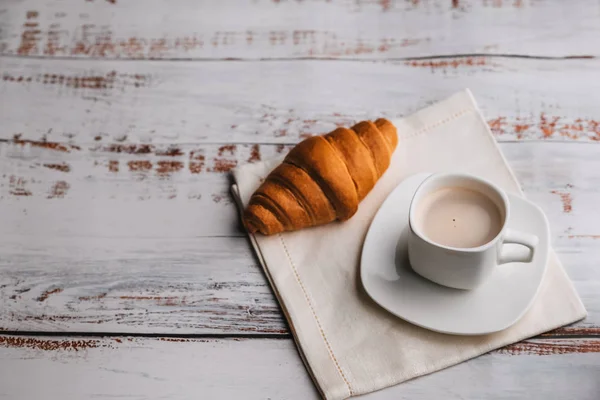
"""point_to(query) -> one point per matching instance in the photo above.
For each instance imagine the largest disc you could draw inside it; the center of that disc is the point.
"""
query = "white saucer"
(500, 302)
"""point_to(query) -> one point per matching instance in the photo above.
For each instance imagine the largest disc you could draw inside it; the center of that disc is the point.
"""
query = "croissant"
(323, 178)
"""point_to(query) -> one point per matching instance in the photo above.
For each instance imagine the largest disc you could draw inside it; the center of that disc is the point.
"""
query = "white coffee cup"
(460, 267)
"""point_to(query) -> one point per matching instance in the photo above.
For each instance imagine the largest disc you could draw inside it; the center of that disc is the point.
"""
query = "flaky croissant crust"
(323, 178)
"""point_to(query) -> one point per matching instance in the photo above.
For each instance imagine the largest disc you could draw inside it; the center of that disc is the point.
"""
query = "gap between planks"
(312, 58)
(94, 145)
(190, 336)
(559, 333)
(533, 346)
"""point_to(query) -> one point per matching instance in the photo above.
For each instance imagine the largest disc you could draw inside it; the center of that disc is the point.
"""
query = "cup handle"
(507, 255)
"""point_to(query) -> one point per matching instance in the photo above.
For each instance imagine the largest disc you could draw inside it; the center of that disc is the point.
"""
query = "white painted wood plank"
(267, 29)
(136, 368)
(144, 285)
(116, 253)
(90, 102)
(172, 286)
(104, 193)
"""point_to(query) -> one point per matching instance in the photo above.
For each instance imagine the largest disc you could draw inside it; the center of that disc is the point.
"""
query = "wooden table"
(123, 270)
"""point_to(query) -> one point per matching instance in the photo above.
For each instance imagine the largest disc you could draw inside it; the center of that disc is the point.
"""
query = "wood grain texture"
(108, 368)
(144, 285)
(183, 190)
(129, 247)
(87, 102)
(366, 29)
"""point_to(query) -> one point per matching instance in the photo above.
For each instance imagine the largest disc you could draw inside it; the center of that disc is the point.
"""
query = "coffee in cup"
(458, 217)
(458, 231)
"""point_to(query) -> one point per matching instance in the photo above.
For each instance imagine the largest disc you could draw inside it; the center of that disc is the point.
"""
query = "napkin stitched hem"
(439, 123)
(312, 309)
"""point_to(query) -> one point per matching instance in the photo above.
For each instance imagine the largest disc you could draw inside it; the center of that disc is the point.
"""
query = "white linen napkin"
(350, 345)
